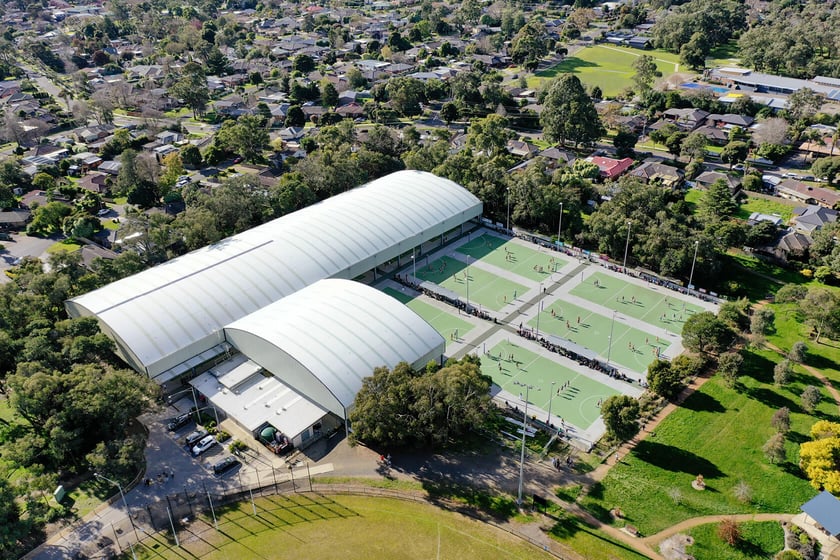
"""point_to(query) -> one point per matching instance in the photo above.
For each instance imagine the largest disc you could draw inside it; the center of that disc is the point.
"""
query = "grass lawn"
(783, 209)
(759, 540)
(596, 545)
(108, 223)
(724, 55)
(824, 356)
(339, 527)
(719, 433)
(607, 66)
(62, 247)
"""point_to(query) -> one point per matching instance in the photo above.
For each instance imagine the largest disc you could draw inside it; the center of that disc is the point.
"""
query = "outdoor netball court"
(577, 304)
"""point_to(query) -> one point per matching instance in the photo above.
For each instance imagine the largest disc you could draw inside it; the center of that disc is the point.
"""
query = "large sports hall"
(269, 324)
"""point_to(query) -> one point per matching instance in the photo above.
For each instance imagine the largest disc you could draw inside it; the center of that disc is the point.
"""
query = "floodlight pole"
(550, 400)
(467, 280)
(609, 348)
(693, 262)
(627, 245)
(524, 435)
(125, 503)
(560, 225)
(508, 209)
(413, 265)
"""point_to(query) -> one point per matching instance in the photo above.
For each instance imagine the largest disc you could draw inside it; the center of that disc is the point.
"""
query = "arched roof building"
(162, 317)
(308, 353)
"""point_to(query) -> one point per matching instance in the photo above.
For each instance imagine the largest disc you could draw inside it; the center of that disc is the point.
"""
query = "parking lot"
(21, 246)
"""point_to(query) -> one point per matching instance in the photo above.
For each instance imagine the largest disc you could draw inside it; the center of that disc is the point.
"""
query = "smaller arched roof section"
(164, 316)
(323, 340)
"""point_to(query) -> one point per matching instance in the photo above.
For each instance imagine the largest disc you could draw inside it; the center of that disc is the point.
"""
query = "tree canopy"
(569, 114)
(432, 408)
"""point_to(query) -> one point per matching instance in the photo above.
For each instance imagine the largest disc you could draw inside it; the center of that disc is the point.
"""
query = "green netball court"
(448, 325)
(485, 288)
(658, 308)
(577, 404)
(514, 257)
(632, 348)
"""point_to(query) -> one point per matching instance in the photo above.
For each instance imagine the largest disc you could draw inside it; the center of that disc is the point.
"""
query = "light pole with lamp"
(550, 400)
(560, 225)
(609, 348)
(125, 503)
(508, 208)
(627, 245)
(413, 265)
(467, 280)
(693, 262)
(524, 435)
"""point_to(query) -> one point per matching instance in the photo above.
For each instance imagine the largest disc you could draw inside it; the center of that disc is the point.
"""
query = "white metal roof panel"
(181, 306)
(339, 331)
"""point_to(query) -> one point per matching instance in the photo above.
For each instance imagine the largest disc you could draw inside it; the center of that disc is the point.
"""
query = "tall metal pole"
(627, 246)
(550, 400)
(609, 349)
(212, 510)
(560, 226)
(539, 309)
(524, 435)
(693, 262)
(172, 524)
(413, 265)
(125, 503)
(467, 280)
(508, 208)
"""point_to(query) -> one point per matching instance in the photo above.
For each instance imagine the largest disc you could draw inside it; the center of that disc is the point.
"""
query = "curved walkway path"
(656, 538)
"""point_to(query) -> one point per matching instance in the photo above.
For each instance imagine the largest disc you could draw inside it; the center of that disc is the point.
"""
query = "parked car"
(229, 462)
(5, 236)
(103, 212)
(195, 437)
(178, 422)
(206, 443)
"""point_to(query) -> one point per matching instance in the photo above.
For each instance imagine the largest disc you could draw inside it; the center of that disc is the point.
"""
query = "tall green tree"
(621, 416)
(191, 88)
(247, 137)
(717, 203)
(645, 74)
(569, 114)
(703, 332)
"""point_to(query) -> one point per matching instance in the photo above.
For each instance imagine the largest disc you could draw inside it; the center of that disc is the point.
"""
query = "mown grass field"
(759, 540)
(339, 527)
(719, 433)
(783, 209)
(596, 545)
(608, 67)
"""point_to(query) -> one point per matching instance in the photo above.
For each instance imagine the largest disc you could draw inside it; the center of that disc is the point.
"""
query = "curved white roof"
(165, 315)
(323, 340)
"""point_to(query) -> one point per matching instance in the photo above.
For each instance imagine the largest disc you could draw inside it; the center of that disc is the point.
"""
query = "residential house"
(611, 168)
(757, 217)
(169, 137)
(89, 134)
(9, 87)
(86, 161)
(790, 245)
(557, 157)
(795, 190)
(522, 149)
(654, 172)
(291, 133)
(686, 119)
(90, 252)
(15, 219)
(728, 120)
(231, 107)
(714, 135)
(810, 218)
(707, 178)
(99, 183)
(350, 111)
(111, 167)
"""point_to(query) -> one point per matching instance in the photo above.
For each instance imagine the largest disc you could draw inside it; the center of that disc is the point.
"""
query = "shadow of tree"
(571, 64)
(702, 402)
(674, 459)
